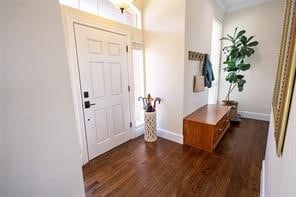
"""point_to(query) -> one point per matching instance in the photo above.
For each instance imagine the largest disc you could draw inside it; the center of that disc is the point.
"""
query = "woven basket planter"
(234, 107)
(150, 134)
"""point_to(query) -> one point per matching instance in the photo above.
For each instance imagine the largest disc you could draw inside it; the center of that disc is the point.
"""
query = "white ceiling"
(231, 5)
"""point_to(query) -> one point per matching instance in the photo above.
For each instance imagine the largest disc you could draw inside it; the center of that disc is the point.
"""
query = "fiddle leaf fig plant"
(240, 48)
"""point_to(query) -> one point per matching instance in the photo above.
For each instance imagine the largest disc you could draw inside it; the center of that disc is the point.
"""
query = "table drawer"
(220, 127)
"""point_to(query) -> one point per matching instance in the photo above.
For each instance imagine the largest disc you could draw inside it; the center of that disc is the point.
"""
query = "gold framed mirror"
(285, 78)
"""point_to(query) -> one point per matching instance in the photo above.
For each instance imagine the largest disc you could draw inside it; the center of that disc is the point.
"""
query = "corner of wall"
(197, 39)
(256, 20)
(164, 59)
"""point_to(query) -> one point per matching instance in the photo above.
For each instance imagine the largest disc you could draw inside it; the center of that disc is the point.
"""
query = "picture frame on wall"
(285, 78)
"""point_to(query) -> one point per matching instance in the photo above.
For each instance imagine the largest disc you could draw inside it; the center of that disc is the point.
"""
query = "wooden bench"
(204, 128)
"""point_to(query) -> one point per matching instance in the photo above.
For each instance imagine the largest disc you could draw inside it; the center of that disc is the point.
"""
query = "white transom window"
(104, 8)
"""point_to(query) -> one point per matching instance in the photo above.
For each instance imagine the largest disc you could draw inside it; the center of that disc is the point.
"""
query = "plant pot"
(233, 111)
(150, 134)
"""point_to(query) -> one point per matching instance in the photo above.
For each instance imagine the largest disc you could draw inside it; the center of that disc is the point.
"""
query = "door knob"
(87, 104)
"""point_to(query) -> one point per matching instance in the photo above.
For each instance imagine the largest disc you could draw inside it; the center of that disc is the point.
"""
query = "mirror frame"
(285, 78)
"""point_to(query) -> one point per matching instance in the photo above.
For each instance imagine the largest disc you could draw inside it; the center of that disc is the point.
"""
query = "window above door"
(105, 8)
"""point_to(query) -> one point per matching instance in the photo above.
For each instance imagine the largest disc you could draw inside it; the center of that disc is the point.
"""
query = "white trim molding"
(250, 3)
(169, 135)
(69, 21)
(138, 130)
(262, 180)
(254, 115)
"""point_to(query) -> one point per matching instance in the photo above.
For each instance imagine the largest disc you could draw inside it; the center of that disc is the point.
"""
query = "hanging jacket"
(208, 72)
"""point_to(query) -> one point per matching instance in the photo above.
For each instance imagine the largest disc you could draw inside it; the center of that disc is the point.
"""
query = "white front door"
(102, 61)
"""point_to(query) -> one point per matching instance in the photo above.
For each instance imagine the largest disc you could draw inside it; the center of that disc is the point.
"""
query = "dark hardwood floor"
(165, 168)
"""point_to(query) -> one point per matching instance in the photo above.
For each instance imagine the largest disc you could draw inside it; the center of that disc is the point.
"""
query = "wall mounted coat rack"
(196, 56)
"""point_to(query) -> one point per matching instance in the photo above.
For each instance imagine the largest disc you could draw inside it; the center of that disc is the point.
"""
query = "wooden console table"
(205, 127)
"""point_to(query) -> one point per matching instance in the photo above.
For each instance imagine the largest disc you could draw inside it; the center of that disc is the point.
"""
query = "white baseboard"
(254, 115)
(139, 130)
(169, 135)
(262, 180)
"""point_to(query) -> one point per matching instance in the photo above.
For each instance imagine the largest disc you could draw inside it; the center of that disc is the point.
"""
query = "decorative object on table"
(285, 78)
(204, 73)
(241, 47)
(150, 128)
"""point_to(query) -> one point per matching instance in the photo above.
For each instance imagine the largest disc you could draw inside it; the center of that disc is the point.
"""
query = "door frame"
(75, 78)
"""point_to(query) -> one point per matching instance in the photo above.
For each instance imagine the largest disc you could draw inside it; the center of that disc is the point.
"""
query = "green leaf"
(226, 47)
(231, 77)
(229, 36)
(248, 52)
(240, 76)
(241, 82)
(250, 38)
(243, 52)
(251, 51)
(242, 32)
(243, 39)
(235, 30)
(252, 44)
(229, 69)
(225, 38)
(239, 60)
(234, 53)
(230, 62)
(244, 67)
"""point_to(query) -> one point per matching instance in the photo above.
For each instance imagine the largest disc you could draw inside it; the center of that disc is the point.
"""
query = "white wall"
(164, 34)
(41, 145)
(264, 21)
(171, 28)
(280, 173)
(199, 18)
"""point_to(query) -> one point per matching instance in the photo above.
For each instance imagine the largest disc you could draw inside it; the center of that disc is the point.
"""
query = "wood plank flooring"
(165, 168)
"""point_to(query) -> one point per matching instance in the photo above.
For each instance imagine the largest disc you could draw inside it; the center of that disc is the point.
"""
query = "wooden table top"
(208, 114)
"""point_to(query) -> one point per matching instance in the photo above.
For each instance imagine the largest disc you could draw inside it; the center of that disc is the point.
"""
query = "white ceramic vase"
(150, 134)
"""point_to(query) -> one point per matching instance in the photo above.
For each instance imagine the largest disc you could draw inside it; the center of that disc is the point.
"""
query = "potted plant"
(150, 117)
(240, 48)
